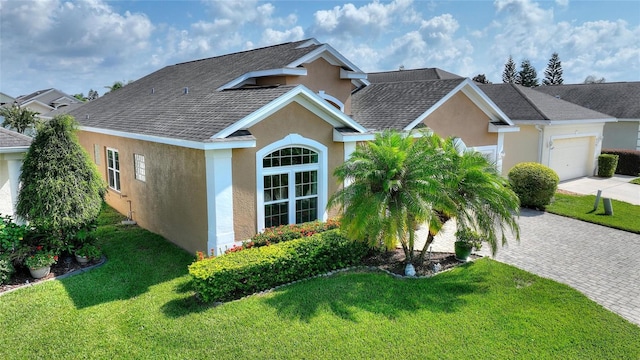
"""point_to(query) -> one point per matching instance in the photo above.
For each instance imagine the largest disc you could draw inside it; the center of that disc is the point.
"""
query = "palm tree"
(18, 118)
(399, 182)
(483, 200)
(393, 187)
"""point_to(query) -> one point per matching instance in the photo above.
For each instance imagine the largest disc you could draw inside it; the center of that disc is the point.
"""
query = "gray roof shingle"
(9, 139)
(619, 99)
(411, 75)
(522, 103)
(394, 105)
(158, 105)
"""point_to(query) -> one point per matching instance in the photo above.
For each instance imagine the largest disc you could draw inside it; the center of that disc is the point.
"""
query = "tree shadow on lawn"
(137, 260)
(377, 293)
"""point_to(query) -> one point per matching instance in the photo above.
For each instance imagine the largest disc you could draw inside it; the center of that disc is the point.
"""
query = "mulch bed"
(393, 262)
(22, 276)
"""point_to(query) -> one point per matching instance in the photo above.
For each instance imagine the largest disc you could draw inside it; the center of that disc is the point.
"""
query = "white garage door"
(570, 157)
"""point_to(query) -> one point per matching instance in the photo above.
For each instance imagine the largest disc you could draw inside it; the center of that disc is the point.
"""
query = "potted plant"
(86, 253)
(40, 261)
(467, 241)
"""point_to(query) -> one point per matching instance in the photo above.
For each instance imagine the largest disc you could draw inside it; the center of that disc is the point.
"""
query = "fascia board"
(503, 129)
(582, 121)
(305, 97)
(346, 74)
(217, 145)
(261, 73)
(14, 149)
(340, 137)
(632, 120)
(335, 59)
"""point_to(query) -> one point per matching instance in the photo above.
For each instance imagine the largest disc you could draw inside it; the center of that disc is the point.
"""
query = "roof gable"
(402, 105)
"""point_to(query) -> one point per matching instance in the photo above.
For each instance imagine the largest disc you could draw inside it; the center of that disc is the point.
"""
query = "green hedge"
(607, 164)
(238, 274)
(534, 184)
(277, 234)
(628, 161)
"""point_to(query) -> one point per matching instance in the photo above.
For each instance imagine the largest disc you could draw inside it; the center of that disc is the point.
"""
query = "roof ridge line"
(534, 106)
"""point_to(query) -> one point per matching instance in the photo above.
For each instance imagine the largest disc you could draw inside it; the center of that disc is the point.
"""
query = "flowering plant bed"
(40, 258)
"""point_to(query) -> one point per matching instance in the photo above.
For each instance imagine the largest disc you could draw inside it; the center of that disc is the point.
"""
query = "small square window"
(138, 163)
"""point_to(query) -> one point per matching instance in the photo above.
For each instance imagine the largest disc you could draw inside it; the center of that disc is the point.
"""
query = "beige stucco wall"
(460, 117)
(622, 135)
(172, 200)
(521, 146)
(292, 119)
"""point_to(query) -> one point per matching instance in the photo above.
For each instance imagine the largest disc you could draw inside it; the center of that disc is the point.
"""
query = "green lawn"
(139, 305)
(635, 181)
(625, 215)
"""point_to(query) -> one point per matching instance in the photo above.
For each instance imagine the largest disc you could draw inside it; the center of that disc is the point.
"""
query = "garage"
(572, 157)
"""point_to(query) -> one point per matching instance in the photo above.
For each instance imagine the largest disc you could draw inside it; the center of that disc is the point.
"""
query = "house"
(209, 152)
(619, 99)
(44, 101)
(556, 133)
(13, 147)
(6, 99)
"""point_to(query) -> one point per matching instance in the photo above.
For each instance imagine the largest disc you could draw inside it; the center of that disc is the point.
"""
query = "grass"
(635, 181)
(625, 216)
(140, 305)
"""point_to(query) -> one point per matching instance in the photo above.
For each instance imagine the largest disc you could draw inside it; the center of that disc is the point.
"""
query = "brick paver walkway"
(600, 262)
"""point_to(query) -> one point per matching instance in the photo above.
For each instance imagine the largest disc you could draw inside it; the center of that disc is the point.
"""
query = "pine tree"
(482, 79)
(553, 73)
(61, 186)
(509, 75)
(527, 76)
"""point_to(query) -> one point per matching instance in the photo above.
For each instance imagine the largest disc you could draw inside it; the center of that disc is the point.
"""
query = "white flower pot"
(82, 259)
(40, 272)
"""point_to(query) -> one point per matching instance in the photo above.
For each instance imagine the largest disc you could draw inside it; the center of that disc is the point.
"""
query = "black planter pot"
(463, 250)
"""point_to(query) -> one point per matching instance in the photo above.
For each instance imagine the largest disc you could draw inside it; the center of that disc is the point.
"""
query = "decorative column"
(15, 169)
(219, 200)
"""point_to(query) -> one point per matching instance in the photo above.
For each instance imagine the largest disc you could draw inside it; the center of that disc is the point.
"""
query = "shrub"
(6, 270)
(237, 274)
(628, 161)
(277, 234)
(534, 184)
(607, 164)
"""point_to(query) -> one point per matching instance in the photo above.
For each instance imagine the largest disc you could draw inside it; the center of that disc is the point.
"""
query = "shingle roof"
(10, 139)
(620, 99)
(522, 103)
(158, 105)
(411, 75)
(394, 105)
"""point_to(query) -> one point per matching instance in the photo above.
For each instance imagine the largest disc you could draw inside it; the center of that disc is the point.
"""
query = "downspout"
(540, 138)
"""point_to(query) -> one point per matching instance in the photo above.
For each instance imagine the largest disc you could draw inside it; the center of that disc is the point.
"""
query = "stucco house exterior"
(13, 147)
(556, 133)
(618, 99)
(210, 152)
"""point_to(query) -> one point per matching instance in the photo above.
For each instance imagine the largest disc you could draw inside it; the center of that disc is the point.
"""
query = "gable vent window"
(113, 169)
(138, 164)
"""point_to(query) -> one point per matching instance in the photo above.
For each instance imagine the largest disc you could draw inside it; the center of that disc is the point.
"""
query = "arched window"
(291, 185)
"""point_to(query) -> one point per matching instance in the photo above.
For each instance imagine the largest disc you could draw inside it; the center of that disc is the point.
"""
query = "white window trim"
(321, 167)
(109, 169)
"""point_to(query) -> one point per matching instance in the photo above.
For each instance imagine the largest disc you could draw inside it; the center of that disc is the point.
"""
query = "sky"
(76, 46)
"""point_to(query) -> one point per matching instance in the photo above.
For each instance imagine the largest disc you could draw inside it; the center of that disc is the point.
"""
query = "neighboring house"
(620, 100)
(556, 133)
(44, 101)
(13, 147)
(210, 152)
(448, 104)
(6, 99)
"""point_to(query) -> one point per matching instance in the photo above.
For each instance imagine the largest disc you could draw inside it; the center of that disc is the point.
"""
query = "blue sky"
(80, 45)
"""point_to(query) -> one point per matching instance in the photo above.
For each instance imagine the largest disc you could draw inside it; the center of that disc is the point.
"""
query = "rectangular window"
(113, 169)
(138, 164)
(96, 153)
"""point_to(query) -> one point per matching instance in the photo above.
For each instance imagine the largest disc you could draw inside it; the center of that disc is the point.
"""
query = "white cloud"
(271, 36)
(367, 21)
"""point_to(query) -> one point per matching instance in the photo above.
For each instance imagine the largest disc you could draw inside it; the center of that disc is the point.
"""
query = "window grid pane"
(306, 210)
(113, 169)
(138, 164)
(276, 214)
(290, 156)
(276, 187)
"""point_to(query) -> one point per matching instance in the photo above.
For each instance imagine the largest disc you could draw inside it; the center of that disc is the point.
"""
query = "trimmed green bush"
(628, 161)
(607, 164)
(277, 234)
(238, 274)
(6, 270)
(534, 184)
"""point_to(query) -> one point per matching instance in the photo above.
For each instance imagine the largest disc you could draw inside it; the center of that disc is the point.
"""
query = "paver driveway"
(600, 262)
